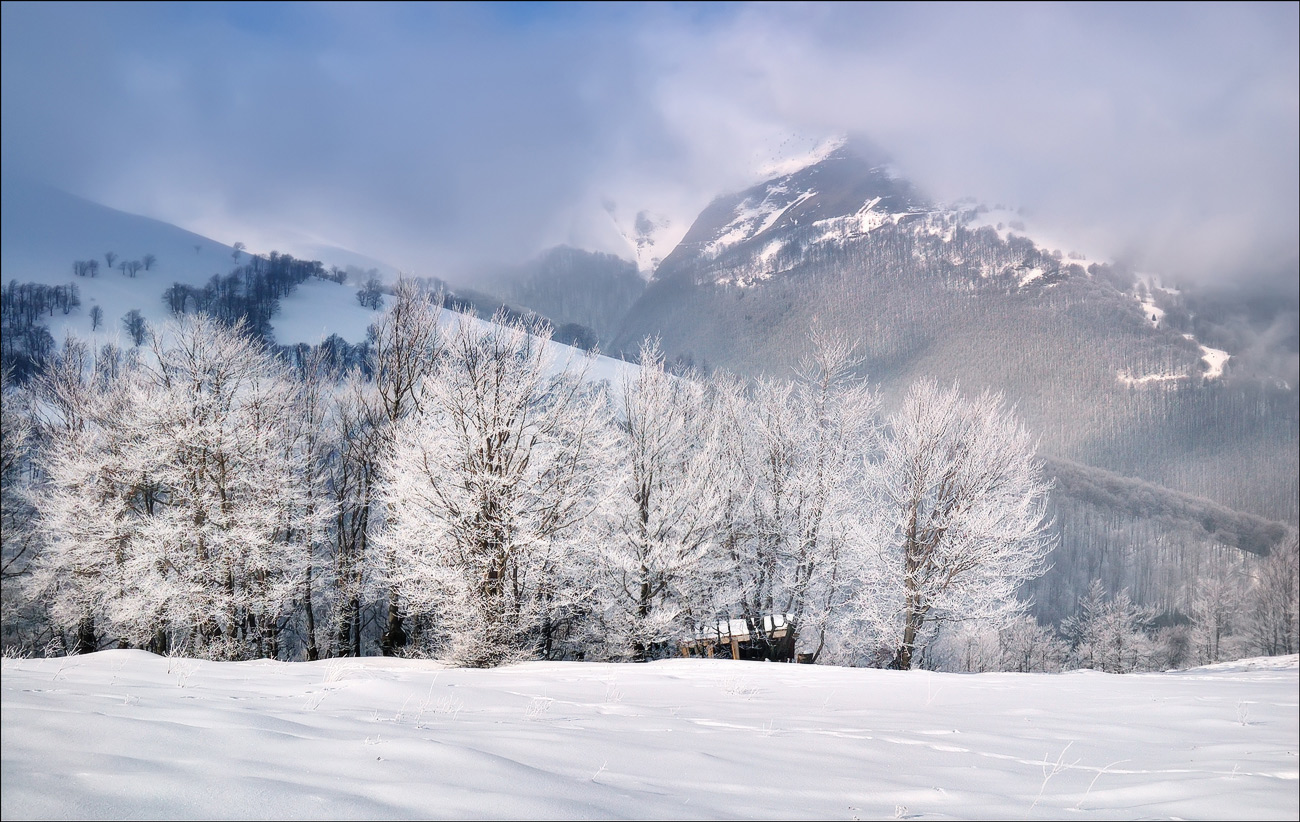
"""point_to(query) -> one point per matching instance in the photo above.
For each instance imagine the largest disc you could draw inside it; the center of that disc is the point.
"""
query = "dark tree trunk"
(313, 653)
(345, 640)
(394, 636)
(86, 641)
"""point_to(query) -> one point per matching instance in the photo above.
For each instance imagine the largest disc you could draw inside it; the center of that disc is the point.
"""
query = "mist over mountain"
(1130, 384)
(570, 286)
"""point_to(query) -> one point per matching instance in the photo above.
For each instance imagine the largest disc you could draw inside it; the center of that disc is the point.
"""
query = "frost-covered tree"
(313, 429)
(1018, 643)
(773, 438)
(961, 501)
(730, 408)
(838, 411)
(405, 346)
(78, 506)
(1214, 612)
(1274, 609)
(663, 553)
(490, 490)
(15, 446)
(176, 507)
(1110, 633)
(805, 442)
(17, 541)
(358, 429)
(224, 413)
(1024, 645)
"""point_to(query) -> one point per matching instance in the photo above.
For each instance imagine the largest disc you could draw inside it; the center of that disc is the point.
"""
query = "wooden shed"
(768, 637)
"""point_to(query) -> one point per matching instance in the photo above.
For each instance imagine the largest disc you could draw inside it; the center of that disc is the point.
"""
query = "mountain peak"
(846, 179)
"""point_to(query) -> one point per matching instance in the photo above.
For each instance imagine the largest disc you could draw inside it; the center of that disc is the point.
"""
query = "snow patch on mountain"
(770, 251)
(864, 221)
(645, 238)
(318, 308)
(1130, 380)
(1029, 275)
(1151, 310)
(1215, 359)
(754, 217)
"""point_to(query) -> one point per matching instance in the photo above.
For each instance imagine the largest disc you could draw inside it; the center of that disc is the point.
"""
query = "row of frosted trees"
(473, 496)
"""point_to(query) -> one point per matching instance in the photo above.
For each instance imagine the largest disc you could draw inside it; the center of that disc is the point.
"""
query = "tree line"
(249, 294)
(25, 341)
(467, 494)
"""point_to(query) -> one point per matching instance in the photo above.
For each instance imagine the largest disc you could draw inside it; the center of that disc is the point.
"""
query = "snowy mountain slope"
(45, 230)
(124, 734)
(846, 212)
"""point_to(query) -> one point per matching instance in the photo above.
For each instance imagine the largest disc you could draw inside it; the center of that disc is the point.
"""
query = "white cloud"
(438, 136)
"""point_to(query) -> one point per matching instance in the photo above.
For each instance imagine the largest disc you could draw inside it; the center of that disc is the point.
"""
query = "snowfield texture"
(125, 734)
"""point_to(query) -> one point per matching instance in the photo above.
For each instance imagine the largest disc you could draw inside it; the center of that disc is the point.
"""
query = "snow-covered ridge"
(840, 195)
(862, 222)
(799, 160)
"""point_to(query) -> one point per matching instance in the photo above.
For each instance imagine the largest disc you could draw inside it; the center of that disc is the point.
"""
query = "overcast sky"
(441, 135)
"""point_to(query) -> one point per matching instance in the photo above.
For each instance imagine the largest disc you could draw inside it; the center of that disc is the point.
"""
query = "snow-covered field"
(124, 734)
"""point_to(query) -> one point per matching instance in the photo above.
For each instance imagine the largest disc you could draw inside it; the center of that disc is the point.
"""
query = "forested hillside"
(571, 287)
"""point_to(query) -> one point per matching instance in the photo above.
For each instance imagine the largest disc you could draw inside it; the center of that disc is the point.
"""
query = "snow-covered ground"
(124, 734)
